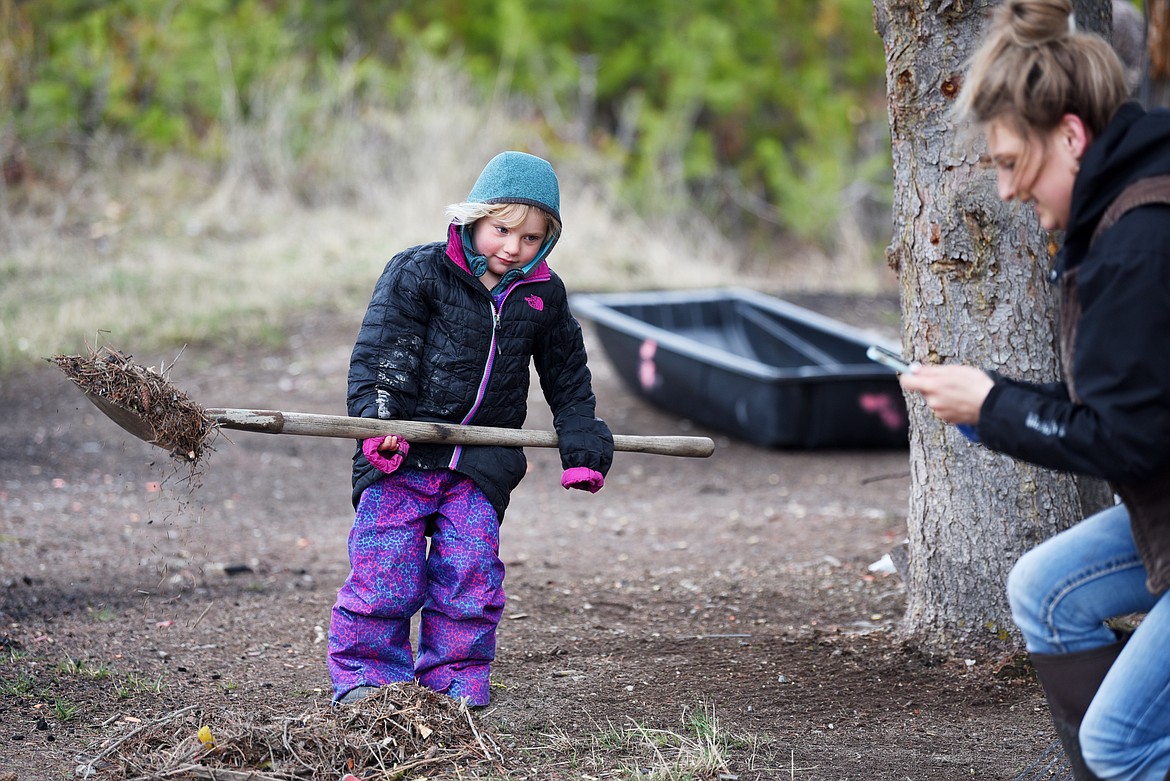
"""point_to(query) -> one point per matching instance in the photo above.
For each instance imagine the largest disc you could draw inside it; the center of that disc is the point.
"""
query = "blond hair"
(510, 214)
(1034, 67)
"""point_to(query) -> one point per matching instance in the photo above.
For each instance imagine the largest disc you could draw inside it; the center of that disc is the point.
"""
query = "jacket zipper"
(493, 350)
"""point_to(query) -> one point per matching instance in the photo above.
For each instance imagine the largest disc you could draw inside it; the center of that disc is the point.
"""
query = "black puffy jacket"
(435, 346)
(1113, 420)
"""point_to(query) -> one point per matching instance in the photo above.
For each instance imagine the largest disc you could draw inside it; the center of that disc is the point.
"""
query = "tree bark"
(973, 283)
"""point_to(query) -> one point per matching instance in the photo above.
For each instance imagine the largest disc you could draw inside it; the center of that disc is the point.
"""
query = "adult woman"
(1052, 104)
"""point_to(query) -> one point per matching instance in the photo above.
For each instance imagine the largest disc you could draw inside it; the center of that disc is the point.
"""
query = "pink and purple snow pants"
(459, 587)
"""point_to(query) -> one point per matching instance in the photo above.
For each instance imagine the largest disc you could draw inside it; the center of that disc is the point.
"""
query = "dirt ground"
(736, 586)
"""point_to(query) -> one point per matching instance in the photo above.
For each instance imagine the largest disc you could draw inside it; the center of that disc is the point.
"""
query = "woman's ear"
(1073, 135)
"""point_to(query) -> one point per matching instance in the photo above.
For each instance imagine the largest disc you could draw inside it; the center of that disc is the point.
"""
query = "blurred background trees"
(771, 115)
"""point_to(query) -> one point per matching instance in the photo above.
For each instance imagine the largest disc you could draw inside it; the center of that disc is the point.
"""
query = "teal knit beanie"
(518, 177)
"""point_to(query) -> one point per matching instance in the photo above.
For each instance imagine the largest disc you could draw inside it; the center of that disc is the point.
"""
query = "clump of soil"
(141, 400)
(400, 730)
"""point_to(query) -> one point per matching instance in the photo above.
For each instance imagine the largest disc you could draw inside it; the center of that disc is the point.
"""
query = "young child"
(448, 336)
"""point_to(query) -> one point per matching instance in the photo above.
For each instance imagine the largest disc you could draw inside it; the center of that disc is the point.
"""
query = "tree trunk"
(973, 277)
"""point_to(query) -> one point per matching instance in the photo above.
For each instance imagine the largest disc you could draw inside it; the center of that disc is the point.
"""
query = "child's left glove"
(583, 478)
(373, 448)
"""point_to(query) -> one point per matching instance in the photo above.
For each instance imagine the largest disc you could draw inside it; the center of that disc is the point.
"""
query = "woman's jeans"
(458, 587)
(1061, 592)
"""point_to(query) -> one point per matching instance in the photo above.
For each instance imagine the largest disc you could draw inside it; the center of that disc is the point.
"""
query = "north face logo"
(535, 302)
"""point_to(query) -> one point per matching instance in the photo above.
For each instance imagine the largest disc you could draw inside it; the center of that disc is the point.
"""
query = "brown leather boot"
(1069, 682)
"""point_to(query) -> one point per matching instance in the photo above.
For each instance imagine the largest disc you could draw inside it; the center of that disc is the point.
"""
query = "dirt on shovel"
(142, 400)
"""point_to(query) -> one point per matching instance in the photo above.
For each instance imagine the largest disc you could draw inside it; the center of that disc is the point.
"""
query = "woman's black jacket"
(1112, 419)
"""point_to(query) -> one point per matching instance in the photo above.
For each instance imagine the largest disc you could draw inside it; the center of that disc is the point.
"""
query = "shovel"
(306, 424)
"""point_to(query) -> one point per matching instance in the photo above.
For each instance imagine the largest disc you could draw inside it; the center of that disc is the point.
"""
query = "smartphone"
(887, 358)
(896, 362)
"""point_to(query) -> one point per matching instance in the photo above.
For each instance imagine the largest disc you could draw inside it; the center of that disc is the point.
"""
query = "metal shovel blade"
(128, 419)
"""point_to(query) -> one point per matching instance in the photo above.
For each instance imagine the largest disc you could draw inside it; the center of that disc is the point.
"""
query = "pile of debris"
(401, 731)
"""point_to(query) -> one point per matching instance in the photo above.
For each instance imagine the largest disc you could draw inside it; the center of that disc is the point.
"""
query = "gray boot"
(1070, 681)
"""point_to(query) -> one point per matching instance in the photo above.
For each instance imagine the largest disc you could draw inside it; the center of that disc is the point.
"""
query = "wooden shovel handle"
(273, 422)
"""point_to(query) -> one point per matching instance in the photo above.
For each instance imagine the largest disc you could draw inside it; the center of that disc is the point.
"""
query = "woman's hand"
(954, 394)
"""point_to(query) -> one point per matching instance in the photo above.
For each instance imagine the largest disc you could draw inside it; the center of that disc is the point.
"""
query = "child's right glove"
(584, 478)
(374, 447)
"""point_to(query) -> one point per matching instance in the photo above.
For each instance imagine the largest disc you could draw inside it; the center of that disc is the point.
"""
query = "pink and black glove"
(372, 447)
(583, 478)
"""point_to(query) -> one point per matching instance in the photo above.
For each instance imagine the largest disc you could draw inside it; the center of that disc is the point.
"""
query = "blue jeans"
(1061, 592)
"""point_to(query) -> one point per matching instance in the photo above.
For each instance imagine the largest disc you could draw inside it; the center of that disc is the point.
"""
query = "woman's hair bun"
(1033, 67)
(1036, 22)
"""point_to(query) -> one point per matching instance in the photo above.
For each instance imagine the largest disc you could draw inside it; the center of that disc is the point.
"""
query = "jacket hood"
(515, 177)
(1132, 147)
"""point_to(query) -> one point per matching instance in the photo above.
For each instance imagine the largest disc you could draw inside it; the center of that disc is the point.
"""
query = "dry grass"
(403, 731)
(700, 751)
